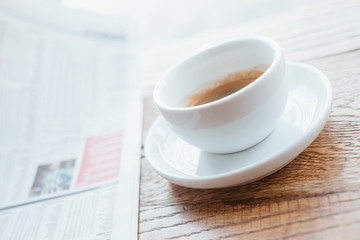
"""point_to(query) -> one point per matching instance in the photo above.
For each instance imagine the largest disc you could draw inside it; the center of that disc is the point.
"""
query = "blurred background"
(164, 21)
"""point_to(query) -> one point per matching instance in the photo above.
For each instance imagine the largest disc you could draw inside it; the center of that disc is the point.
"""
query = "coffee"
(224, 87)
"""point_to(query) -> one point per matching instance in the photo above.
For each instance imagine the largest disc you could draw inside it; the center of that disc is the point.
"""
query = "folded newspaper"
(70, 124)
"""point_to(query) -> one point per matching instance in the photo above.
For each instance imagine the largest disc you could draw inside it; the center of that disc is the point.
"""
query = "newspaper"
(70, 123)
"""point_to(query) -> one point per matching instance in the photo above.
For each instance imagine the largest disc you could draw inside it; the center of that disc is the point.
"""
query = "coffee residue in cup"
(224, 87)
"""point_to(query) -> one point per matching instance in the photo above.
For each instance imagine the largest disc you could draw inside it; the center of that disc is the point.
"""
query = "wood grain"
(316, 196)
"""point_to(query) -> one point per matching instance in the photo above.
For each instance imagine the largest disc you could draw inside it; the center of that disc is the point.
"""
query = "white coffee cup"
(238, 121)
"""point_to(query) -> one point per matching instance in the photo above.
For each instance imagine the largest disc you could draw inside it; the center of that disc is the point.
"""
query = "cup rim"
(277, 58)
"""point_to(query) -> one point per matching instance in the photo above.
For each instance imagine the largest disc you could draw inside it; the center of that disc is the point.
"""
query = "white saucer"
(308, 107)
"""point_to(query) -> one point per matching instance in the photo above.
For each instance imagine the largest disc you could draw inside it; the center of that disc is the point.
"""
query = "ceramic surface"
(253, 110)
(307, 109)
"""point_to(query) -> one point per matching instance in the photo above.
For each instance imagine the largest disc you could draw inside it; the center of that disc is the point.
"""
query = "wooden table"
(316, 196)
